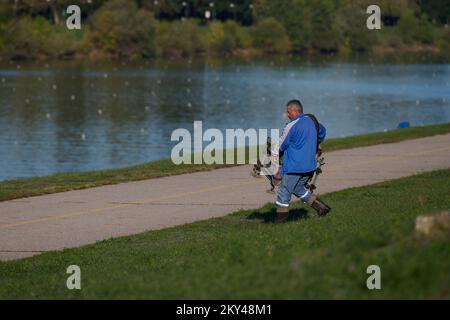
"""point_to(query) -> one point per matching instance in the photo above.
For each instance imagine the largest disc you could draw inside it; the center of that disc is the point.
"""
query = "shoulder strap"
(316, 123)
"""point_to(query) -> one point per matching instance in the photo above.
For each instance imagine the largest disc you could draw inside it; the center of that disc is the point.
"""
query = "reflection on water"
(76, 117)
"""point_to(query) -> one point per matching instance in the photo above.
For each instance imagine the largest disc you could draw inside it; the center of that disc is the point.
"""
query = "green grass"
(246, 256)
(385, 137)
(14, 189)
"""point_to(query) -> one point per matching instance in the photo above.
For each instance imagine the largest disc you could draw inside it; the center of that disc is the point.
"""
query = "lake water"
(63, 117)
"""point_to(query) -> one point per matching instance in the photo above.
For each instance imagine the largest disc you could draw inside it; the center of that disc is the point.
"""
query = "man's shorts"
(294, 184)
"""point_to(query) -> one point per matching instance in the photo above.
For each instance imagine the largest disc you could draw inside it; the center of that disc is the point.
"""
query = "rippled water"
(77, 117)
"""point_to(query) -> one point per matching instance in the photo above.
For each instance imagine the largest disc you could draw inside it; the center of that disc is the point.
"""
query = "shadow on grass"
(269, 215)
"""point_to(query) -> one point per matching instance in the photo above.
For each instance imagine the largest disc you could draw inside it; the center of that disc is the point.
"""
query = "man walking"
(299, 145)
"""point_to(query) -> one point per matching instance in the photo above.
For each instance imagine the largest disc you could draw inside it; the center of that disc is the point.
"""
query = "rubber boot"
(282, 215)
(321, 208)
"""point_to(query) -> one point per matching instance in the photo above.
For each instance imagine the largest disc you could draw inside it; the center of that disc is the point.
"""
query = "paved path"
(71, 219)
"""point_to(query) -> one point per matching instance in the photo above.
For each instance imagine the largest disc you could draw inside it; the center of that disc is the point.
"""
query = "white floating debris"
(189, 105)
(100, 112)
(48, 116)
(27, 101)
(147, 108)
(142, 130)
(105, 75)
(55, 87)
(72, 97)
(83, 136)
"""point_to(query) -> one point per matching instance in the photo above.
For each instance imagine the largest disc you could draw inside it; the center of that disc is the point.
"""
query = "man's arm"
(285, 141)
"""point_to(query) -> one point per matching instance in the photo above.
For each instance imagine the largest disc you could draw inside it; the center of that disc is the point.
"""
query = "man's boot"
(282, 215)
(321, 208)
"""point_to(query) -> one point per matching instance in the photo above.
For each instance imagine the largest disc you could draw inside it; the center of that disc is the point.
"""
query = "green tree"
(29, 38)
(309, 24)
(122, 30)
(179, 39)
(351, 21)
(438, 10)
(270, 35)
(414, 29)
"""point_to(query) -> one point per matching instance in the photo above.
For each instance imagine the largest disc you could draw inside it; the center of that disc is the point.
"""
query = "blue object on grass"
(403, 125)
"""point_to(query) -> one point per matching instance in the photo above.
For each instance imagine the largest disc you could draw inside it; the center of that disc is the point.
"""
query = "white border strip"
(305, 195)
(282, 205)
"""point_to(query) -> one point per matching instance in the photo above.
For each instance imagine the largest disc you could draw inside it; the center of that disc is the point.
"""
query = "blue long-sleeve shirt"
(299, 145)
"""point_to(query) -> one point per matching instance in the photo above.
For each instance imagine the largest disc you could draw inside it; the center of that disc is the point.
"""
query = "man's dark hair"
(296, 104)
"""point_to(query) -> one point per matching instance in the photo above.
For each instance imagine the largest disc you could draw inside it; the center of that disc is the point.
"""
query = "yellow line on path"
(143, 201)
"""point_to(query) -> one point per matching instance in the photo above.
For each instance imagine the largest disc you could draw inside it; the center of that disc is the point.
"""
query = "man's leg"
(308, 197)
(284, 196)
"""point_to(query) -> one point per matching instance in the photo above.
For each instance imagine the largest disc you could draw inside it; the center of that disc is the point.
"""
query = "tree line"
(134, 29)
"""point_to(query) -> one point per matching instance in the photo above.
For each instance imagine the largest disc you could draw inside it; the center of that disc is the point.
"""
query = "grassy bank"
(385, 137)
(245, 255)
(21, 188)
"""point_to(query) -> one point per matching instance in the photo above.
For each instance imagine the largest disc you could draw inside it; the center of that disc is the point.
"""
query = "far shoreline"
(415, 52)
